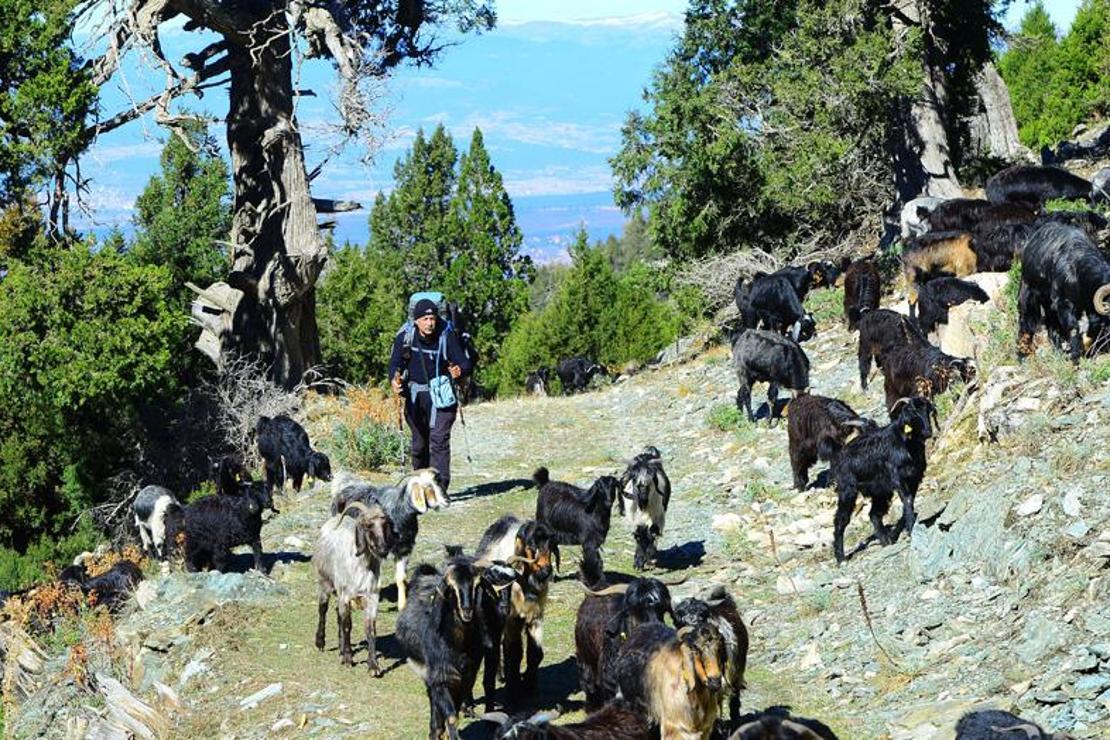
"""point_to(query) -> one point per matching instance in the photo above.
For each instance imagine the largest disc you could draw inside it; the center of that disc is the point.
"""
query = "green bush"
(366, 446)
(727, 418)
(21, 570)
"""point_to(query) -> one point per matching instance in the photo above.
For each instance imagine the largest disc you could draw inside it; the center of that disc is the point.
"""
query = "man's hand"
(396, 383)
(455, 371)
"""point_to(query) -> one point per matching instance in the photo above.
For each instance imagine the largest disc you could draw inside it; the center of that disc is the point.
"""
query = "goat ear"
(555, 552)
(417, 497)
(362, 542)
(689, 668)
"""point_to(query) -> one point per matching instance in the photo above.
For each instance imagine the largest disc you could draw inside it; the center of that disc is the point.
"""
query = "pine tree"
(581, 312)
(1027, 66)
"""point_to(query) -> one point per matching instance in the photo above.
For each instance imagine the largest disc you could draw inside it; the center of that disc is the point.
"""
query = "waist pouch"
(442, 392)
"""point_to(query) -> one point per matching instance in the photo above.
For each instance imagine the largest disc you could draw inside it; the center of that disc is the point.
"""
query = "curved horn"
(498, 717)
(616, 588)
(358, 506)
(513, 559)
(802, 730)
(1102, 300)
(898, 403)
(857, 423)
(679, 582)
(683, 631)
(1030, 730)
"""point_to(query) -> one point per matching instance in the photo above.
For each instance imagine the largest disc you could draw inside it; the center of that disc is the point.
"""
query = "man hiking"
(428, 361)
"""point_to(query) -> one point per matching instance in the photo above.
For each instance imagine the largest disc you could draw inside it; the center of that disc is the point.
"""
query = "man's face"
(426, 324)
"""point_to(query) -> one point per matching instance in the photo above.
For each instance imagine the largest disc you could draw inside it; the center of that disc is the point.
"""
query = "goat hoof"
(346, 660)
(320, 644)
(376, 670)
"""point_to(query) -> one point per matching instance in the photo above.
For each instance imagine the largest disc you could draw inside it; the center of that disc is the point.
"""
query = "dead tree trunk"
(267, 307)
(994, 130)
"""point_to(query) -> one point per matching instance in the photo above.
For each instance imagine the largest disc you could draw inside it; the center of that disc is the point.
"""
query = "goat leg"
(880, 505)
(343, 621)
(489, 673)
(514, 656)
(909, 517)
(444, 716)
(256, 548)
(322, 606)
(399, 577)
(535, 655)
(846, 501)
(369, 617)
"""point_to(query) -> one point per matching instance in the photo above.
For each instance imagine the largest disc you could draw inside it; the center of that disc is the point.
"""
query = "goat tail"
(541, 477)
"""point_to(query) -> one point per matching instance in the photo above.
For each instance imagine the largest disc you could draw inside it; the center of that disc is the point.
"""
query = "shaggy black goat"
(994, 724)
(966, 214)
(862, 288)
(996, 247)
(159, 516)
(816, 428)
(1030, 186)
(284, 446)
(719, 611)
(777, 723)
(815, 274)
(675, 677)
(761, 356)
(536, 382)
(441, 629)
(647, 492)
(881, 331)
(215, 524)
(109, 589)
(1064, 277)
(577, 372)
(403, 504)
(617, 720)
(530, 548)
(579, 517)
(230, 475)
(604, 620)
(922, 371)
(937, 296)
(772, 302)
(888, 461)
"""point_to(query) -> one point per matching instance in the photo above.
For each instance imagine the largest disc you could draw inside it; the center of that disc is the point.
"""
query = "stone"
(727, 522)
(1077, 530)
(1072, 504)
(260, 696)
(1030, 505)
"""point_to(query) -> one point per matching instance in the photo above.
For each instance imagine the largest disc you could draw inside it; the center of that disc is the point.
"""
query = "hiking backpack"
(448, 313)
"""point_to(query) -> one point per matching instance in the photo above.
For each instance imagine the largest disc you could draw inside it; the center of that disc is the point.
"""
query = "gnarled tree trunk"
(994, 130)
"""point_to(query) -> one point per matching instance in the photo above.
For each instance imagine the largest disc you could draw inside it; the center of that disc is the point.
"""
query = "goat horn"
(857, 423)
(358, 506)
(616, 588)
(801, 729)
(679, 582)
(1030, 730)
(683, 631)
(498, 717)
(483, 563)
(1102, 300)
(520, 559)
(898, 403)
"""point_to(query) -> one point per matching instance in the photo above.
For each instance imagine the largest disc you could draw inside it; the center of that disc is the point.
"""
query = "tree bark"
(994, 130)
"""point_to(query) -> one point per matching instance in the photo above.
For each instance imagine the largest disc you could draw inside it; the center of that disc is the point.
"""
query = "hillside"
(1001, 599)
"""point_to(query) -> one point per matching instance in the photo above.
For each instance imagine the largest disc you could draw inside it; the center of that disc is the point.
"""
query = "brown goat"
(862, 286)
(947, 252)
(816, 428)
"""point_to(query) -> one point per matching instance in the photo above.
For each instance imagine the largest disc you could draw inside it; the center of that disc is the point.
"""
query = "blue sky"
(549, 87)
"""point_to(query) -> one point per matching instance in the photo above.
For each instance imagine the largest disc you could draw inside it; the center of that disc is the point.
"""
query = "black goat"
(577, 372)
(996, 247)
(816, 428)
(1064, 277)
(718, 610)
(994, 724)
(617, 720)
(109, 589)
(922, 371)
(777, 723)
(284, 446)
(862, 288)
(230, 475)
(1030, 186)
(535, 384)
(967, 214)
(215, 524)
(814, 274)
(441, 629)
(647, 490)
(760, 356)
(772, 302)
(888, 461)
(530, 548)
(579, 517)
(881, 331)
(417, 494)
(937, 296)
(603, 622)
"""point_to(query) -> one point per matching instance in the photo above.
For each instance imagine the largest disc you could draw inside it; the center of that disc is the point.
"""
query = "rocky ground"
(1001, 599)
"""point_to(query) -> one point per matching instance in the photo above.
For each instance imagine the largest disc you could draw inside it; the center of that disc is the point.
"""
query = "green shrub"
(367, 446)
(43, 558)
(727, 418)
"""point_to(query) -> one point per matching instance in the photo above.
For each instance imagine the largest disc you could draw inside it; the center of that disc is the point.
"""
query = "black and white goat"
(718, 610)
(646, 490)
(348, 563)
(285, 448)
(579, 516)
(417, 494)
(159, 516)
(215, 524)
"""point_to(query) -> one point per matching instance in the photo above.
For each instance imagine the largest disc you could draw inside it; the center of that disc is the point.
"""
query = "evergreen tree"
(581, 313)
(1027, 66)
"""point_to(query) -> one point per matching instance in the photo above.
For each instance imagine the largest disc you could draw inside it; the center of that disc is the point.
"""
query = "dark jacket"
(421, 365)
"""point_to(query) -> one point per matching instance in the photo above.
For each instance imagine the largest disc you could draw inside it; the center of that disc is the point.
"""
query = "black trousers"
(431, 443)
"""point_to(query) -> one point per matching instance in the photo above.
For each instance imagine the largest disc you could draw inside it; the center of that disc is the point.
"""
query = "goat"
(230, 475)
(937, 253)
(348, 563)
(888, 461)
(997, 246)
(994, 724)
(674, 676)
(915, 216)
(816, 428)
(647, 489)
(862, 287)
(109, 589)
(1064, 277)
(937, 296)
(215, 524)
(577, 372)
(617, 720)
(778, 724)
(814, 274)
(159, 516)
(604, 620)
(881, 331)
(530, 547)
(403, 504)
(284, 446)
(966, 214)
(535, 384)
(922, 371)
(1030, 186)
(579, 517)
(762, 356)
(719, 611)
(772, 302)
(443, 640)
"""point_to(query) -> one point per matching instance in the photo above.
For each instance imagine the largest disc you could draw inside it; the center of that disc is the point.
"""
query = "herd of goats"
(643, 677)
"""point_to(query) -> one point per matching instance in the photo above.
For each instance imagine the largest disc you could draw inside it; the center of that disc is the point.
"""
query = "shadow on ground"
(492, 488)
